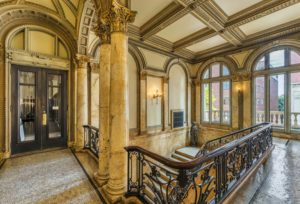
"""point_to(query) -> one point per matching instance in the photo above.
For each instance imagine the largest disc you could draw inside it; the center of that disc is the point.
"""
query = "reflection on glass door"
(27, 104)
(54, 106)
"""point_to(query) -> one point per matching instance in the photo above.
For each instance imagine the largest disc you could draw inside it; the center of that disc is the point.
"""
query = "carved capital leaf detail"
(120, 16)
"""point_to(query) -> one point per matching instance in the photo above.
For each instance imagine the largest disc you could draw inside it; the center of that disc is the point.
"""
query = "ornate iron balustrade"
(91, 139)
(206, 179)
(219, 142)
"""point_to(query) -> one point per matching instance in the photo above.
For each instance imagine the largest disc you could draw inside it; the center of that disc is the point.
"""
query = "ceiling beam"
(164, 18)
(194, 38)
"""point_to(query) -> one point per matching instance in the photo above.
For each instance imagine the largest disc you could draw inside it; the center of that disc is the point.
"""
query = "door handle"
(44, 118)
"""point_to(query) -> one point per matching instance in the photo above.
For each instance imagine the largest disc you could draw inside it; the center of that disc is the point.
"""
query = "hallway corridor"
(49, 177)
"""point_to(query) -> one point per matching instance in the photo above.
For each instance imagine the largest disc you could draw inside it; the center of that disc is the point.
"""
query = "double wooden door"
(39, 109)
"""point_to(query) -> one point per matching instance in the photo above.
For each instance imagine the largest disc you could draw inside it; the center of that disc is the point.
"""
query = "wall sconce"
(156, 96)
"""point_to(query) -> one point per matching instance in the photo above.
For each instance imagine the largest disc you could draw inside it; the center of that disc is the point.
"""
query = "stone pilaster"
(82, 99)
(120, 16)
(143, 99)
(104, 102)
(167, 118)
(197, 89)
(3, 121)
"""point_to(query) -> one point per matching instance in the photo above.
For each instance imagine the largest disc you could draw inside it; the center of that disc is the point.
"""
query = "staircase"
(184, 154)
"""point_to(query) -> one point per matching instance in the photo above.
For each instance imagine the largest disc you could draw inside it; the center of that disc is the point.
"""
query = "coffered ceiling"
(198, 29)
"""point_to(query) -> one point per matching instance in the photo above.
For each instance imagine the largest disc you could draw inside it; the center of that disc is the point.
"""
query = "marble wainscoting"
(210, 133)
(49, 177)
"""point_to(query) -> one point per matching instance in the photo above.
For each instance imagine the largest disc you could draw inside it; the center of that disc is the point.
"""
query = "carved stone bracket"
(120, 16)
(241, 76)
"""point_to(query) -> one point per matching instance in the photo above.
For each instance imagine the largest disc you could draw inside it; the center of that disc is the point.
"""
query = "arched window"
(276, 86)
(216, 94)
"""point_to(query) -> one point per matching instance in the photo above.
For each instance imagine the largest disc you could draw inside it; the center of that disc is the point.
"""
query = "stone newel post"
(82, 98)
(120, 16)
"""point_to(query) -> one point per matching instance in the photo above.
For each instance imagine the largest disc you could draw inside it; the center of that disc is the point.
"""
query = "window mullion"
(267, 98)
(210, 102)
(221, 102)
(287, 107)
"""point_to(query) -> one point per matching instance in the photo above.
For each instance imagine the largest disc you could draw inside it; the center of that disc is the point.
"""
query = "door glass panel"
(260, 100)
(27, 102)
(54, 106)
(215, 100)
(226, 102)
(205, 102)
(295, 101)
(277, 100)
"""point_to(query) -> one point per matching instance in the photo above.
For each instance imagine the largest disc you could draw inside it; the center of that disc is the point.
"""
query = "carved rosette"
(120, 16)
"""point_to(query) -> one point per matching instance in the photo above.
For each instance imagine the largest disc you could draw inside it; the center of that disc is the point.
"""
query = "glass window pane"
(215, 70)
(27, 78)
(27, 104)
(259, 100)
(277, 100)
(215, 100)
(260, 64)
(295, 101)
(277, 59)
(295, 58)
(54, 106)
(225, 70)
(226, 102)
(206, 74)
(205, 105)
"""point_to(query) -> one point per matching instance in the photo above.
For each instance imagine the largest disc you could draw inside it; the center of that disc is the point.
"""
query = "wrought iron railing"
(206, 179)
(91, 139)
(220, 141)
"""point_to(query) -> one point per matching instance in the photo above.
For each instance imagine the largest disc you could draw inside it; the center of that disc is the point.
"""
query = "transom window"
(277, 89)
(216, 94)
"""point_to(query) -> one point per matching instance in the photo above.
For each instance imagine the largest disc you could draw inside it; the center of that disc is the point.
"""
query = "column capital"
(120, 16)
(241, 76)
(102, 29)
(81, 61)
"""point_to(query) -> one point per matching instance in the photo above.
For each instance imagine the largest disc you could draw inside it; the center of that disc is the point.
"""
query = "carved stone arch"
(232, 66)
(87, 21)
(258, 52)
(29, 17)
(175, 61)
(93, 48)
(138, 57)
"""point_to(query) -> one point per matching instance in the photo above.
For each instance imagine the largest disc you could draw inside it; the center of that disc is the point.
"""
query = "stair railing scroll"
(206, 179)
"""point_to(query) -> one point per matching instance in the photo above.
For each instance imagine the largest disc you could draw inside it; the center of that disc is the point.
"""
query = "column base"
(78, 148)
(113, 194)
(101, 179)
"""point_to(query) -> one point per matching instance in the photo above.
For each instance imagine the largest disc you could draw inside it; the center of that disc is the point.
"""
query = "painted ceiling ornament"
(120, 16)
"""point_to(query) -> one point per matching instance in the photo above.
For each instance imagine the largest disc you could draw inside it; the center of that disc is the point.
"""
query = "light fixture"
(156, 96)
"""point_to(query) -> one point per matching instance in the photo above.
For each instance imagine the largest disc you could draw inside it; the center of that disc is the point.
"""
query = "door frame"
(42, 141)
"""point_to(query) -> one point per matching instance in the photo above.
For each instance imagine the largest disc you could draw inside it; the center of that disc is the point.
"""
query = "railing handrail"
(91, 127)
(199, 160)
(234, 133)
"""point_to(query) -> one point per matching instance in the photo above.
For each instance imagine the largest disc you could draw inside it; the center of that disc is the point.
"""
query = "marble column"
(94, 86)
(104, 99)
(119, 104)
(82, 99)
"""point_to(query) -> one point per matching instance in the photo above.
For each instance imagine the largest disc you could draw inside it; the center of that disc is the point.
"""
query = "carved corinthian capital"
(120, 16)
(103, 28)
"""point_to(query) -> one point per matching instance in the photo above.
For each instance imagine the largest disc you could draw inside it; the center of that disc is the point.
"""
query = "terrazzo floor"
(282, 185)
(49, 177)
